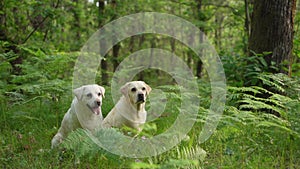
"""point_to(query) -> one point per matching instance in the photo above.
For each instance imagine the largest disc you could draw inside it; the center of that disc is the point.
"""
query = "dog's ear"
(78, 92)
(124, 89)
(102, 89)
(148, 88)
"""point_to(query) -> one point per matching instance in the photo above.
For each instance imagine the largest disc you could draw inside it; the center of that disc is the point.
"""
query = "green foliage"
(244, 70)
(295, 58)
(256, 98)
(43, 76)
(40, 40)
(250, 132)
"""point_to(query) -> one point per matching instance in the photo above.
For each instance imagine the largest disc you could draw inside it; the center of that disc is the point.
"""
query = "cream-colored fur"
(130, 109)
(85, 112)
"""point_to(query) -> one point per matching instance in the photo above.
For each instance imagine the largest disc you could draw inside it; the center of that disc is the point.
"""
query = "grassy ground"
(26, 131)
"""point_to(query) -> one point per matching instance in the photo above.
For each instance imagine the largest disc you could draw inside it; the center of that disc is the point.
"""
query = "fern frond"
(273, 81)
(244, 89)
(83, 144)
(80, 142)
(268, 124)
(194, 153)
(262, 90)
(235, 116)
(272, 100)
(259, 105)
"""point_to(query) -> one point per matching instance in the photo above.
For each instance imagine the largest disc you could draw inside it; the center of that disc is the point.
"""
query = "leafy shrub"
(42, 75)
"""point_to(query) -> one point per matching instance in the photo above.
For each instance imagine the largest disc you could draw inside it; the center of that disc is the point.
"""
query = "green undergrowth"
(254, 131)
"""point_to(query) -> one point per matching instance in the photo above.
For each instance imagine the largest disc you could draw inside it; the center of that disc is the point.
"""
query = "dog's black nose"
(141, 97)
(98, 103)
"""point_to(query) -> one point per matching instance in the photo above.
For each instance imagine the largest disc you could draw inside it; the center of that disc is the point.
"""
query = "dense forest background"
(258, 42)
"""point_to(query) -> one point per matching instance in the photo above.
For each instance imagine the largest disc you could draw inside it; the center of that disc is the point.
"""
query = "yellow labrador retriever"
(130, 109)
(85, 112)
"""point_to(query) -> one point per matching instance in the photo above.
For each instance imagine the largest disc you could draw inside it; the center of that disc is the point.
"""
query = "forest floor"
(27, 130)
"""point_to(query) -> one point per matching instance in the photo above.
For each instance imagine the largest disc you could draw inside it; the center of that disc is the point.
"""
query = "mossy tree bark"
(272, 30)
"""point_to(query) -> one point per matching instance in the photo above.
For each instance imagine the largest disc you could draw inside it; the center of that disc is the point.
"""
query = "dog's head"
(91, 96)
(136, 91)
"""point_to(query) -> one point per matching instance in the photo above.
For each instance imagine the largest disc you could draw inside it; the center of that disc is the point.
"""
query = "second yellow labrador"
(130, 109)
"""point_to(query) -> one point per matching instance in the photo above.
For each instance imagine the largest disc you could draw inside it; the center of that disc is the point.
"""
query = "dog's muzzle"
(140, 98)
(96, 109)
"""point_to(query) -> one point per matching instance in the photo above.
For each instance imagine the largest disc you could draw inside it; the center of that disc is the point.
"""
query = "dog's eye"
(89, 95)
(133, 89)
(99, 94)
(143, 88)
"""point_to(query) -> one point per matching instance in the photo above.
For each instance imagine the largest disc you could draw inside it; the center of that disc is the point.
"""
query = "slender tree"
(199, 64)
(247, 26)
(247, 18)
(116, 47)
(104, 65)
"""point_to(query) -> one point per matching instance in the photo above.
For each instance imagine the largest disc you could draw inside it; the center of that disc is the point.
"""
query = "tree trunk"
(219, 18)
(247, 18)
(199, 69)
(272, 31)
(199, 62)
(141, 41)
(247, 26)
(104, 66)
(2, 23)
(116, 47)
(131, 44)
(115, 53)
